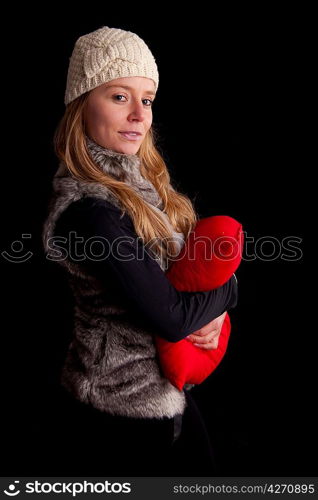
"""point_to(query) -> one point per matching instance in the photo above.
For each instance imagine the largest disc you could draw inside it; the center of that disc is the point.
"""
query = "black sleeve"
(172, 314)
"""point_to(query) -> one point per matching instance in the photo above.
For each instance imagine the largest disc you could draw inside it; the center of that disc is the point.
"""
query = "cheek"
(110, 120)
(102, 118)
(97, 116)
(149, 122)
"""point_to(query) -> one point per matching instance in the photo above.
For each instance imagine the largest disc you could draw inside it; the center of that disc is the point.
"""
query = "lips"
(130, 135)
(129, 132)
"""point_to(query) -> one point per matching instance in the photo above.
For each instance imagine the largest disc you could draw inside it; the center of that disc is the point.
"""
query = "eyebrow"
(130, 88)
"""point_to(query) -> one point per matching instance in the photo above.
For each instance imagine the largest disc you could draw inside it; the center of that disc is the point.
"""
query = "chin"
(130, 149)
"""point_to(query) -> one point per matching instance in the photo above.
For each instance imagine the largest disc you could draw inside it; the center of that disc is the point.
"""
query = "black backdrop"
(230, 112)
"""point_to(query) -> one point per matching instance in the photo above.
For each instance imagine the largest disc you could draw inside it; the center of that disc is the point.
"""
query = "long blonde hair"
(70, 147)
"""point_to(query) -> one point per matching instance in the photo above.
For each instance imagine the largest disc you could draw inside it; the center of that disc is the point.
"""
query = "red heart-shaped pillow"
(211, 254)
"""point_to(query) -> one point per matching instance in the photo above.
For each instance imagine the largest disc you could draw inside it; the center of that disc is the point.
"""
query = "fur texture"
(111, 363)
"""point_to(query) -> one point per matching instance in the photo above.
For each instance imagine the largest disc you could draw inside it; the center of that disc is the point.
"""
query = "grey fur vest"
(111, 364)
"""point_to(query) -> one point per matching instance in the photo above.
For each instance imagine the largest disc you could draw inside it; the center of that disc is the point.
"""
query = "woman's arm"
(141, 282)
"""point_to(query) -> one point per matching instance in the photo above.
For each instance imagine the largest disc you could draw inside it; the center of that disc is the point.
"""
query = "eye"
(151, 102)
(121, 95)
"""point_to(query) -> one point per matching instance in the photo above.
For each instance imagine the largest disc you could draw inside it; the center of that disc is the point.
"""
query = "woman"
(115, 223)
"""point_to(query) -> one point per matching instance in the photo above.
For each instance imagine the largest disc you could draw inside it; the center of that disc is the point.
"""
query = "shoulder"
(94, 213)
(93, 203)
(90, 206)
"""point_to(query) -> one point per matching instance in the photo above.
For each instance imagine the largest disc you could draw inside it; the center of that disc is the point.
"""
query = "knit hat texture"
(104, 55)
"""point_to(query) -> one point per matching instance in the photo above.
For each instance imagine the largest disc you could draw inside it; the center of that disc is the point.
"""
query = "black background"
(232, 113)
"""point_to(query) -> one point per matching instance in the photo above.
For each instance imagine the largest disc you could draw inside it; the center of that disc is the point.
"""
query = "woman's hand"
(208, 336)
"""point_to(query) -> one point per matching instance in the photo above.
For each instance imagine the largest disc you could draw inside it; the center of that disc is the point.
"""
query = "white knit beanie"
(104, 55)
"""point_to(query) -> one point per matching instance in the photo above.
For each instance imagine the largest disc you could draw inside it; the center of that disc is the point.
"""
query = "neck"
(125, 168)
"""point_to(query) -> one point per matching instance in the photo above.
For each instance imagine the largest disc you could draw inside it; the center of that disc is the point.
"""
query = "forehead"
(133, 83)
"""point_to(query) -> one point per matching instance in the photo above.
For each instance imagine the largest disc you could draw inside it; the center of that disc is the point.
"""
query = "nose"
(137, 111)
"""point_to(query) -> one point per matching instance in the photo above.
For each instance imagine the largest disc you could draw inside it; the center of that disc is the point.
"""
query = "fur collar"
(126, 168)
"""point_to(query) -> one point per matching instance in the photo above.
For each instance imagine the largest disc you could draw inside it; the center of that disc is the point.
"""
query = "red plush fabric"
(211, 254)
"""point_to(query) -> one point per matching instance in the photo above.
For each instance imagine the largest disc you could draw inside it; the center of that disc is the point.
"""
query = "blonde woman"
(115, 223)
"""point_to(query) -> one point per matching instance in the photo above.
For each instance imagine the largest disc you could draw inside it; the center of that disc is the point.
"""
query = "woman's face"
(121, 105)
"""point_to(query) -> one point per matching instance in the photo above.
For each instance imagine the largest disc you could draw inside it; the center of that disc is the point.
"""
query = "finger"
(207, 347)
(203, 339)
(207, 332)
(212, 344)
(201, 335)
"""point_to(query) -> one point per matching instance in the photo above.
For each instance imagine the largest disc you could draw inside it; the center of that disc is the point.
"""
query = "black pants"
(93, 443)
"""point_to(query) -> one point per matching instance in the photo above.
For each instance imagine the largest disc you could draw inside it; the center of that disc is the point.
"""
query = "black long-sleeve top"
(139, 281)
